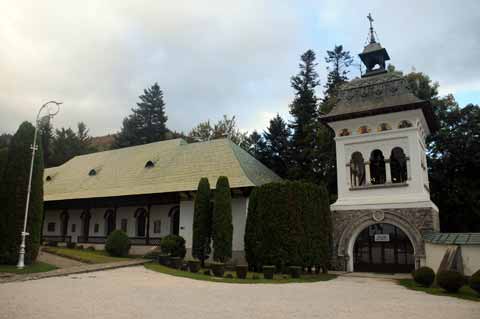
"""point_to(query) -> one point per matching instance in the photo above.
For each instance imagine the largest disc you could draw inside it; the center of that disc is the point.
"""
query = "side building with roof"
(147, 191)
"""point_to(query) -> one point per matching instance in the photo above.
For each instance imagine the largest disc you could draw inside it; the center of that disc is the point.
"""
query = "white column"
(368, 179)
(387, 172)
(409, 170)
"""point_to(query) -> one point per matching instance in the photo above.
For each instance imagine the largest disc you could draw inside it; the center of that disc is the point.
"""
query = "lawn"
(278, 278)
(86, 256)
(29, 269)
(464, 293)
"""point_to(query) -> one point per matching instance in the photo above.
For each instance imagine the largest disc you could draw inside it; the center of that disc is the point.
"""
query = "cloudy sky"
(212, 57)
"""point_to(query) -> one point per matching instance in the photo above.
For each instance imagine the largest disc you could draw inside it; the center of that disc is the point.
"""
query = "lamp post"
(33, 147)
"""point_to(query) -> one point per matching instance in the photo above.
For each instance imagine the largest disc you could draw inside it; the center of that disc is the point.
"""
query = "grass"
(464, 293)
(29, 269)
(86, 256)
(278, 278)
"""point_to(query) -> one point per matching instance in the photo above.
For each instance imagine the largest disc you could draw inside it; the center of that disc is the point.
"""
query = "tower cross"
(370, 19)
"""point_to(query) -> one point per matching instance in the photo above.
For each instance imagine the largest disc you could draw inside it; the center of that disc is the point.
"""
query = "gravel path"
(140, 293)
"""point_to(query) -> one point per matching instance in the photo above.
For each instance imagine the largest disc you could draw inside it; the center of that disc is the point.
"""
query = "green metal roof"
(177, 166)
(452, 238)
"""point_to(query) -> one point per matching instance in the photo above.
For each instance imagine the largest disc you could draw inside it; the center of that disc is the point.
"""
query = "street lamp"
(34, 147)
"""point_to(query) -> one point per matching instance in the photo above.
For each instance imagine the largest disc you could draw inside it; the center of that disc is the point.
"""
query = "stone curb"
(75, 270)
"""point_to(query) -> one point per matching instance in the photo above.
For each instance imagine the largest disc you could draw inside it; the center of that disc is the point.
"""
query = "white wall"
(411, 140)
(470, 256)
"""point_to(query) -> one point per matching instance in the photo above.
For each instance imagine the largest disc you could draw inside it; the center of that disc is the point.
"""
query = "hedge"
(118, 244)
(288, 224)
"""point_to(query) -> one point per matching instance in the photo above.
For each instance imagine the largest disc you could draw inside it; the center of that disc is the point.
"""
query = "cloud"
(210, 58)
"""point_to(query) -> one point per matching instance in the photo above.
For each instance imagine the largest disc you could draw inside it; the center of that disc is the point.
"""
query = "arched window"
(405, 124)
(92, 172)
(398, 165)
(149, 164)
(141, 216)
(384, 127)
(174, 215)
(377, 167)
(109, 221)
(49, 178)
(64, 217)
(85, 217)
(357, 170)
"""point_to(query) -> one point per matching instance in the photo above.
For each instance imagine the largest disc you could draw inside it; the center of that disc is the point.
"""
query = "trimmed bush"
(194, 265)
(268, 272)
(176, 262)
(295, 271)
(71, 245)
(207, 272)
(202, 222)
(450, 280)
(117, 244)
(424, 276)
(90, 248)
(173, 245)
(222, 231)
(218, 269)
(241, 271)
(288, 224)
(164, 259)
(475, 281)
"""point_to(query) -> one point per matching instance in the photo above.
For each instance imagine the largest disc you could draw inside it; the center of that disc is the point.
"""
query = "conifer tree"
(222, 232)
(277, 139)
(305, 119)
(202, 222)
(13, 196)
(147, 123)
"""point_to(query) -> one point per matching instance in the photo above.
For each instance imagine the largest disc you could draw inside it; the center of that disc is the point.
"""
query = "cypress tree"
(202, 222)
(252, 236)
(277, 139)
(14, 194)
(222, 221)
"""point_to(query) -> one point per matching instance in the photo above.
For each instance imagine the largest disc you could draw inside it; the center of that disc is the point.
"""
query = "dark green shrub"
(90, 248)
(13, 192)
(229, 276)
(173, 245)
(194, 265)
(222, 230)
(164, 259)
(79, 247)
(424, 276)
(71, 245)
(295, 271)
(268, 272)
(241, 271)
(184, 266)
(218, 269)
(450, 280)
(117, 244)
(288, 224)
(475, 281)
(202, 222)
(207, 272)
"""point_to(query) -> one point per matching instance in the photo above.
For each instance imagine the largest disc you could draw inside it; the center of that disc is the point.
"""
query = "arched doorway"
(383, 248)
(85, 217)
(109, 221)
(141, 216)
(174, 215)
(64, 217)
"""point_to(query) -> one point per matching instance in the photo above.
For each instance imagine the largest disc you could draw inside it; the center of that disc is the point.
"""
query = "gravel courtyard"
(140, 293)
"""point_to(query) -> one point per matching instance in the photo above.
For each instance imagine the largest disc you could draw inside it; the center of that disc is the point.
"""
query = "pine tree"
(222, 231)
(147, 123)
(305, 119)
(256, 146)
(339, 61)
(67, 144)
(46, 134)
(277, 139)
(13, 196)
(202, 222)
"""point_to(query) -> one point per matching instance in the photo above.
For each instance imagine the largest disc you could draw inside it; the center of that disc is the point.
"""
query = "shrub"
(175, 262)
(222, 231)
(79, 247)
(450, 280)
(218, 269)
(229, 276)
(194, 265)
(241, 271)
(173, 245)
(164, 259)
(475, 281)
(288, 224)
(207, 272)
(424, 276)
(295, 271)
(202, 222)
(90, 248)
(117, 244)
(268, 272)
(71, 245)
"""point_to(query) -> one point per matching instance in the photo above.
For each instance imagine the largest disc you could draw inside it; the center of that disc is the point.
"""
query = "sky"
(212, 57)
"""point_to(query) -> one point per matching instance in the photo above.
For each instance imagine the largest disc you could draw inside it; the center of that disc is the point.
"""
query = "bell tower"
(383, 189)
